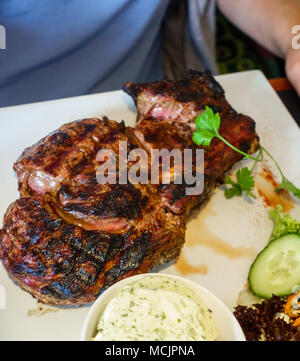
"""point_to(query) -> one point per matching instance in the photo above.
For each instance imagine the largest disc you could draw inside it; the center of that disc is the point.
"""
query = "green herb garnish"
(244, 183)
(207, 128)
(285, 183)
(208, 124)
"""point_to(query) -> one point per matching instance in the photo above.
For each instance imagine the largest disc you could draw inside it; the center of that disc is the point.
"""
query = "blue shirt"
(63, 48)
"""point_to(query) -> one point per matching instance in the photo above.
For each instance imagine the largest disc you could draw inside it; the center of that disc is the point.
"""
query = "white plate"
(227, 326)
(235, 229)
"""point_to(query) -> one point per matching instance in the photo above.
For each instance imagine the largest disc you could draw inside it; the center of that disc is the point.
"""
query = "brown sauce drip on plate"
(198, 233)
(224, 248)
(185, 268)
(266, 187)
(41, 311)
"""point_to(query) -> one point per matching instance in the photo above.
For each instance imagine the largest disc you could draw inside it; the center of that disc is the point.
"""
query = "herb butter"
(156, 308)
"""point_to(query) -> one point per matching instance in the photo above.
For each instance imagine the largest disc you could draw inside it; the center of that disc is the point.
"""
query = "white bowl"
(227, 326)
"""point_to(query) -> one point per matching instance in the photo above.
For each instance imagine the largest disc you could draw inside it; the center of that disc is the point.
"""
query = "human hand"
(270, 23)
(292, 67)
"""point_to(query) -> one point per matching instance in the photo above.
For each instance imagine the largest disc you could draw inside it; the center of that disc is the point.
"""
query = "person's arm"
(270, 23)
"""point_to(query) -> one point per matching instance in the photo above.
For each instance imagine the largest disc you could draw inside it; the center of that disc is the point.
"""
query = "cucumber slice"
(276, 270)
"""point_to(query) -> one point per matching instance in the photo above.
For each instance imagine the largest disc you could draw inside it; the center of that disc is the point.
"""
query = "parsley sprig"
(285, 183)
(245, 181)
(208, 124)
(207, 128)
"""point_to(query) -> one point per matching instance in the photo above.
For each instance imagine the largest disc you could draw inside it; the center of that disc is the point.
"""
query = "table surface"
(288, 96)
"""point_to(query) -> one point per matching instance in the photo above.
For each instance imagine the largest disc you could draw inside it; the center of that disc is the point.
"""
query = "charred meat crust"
(60, 263)
(203, 84)
(62, 167)
(68, 237)
(192, 94)
(166, 120)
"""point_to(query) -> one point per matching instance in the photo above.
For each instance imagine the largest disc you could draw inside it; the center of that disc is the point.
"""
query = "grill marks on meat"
(66, 246)
(178, 101)
(62, 168)
(166, 120)
(60, 263)
(68, 237)
(113, 208)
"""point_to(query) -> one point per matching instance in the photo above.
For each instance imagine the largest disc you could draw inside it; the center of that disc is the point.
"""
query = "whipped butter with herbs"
(156, 308)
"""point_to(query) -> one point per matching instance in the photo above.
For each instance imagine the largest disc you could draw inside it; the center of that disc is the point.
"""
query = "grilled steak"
(178, 101)
(62, 169)
(166, 120)
(68, 237)
(60, 263)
